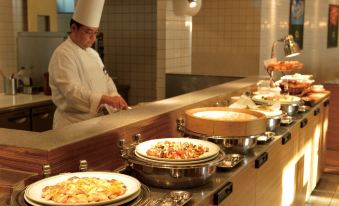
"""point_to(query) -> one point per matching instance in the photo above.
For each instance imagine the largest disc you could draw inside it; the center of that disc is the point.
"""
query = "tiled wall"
(177, 35)
(130, 46)
(173, 44)
(319, 60)
(144, 40)
(13, 20)
(226, 38)
(7, 40)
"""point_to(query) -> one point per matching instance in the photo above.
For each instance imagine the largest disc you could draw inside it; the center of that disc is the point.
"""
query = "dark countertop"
(220, 178)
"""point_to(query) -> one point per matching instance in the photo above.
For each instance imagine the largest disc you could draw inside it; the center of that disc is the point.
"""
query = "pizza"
(176, 150)
(84, 190)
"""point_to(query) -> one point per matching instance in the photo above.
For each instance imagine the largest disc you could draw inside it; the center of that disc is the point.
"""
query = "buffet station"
(239, 143)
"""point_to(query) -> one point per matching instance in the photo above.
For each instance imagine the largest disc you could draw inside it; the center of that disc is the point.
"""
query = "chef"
(77, 79)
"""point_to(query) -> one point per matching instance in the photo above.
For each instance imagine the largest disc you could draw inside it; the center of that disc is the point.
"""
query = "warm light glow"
(316, 145)
(293, 55)
(322, 24)
(307, 166)
(288, 184)
(192, 3)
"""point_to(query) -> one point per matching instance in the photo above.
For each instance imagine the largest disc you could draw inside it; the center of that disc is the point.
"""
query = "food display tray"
(176, 197)
(230, 161)
(287, 120)
(304, 108)
(265, 138)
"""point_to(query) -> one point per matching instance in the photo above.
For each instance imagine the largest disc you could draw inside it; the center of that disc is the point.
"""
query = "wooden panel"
(100, 152)
(301, 188)
(22, 158)
(333, 130)
(321, 146)
(269, 178)
(243, 189)
(275, 180)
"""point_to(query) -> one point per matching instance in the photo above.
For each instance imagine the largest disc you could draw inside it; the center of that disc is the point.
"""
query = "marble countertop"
(53, 139)
(21, 100)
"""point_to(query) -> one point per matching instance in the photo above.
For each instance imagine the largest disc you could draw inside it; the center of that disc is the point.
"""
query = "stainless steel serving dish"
(290, 109)
(230, 144)
(172, 176)
(236, 144)
(273, 123)
(241, 145)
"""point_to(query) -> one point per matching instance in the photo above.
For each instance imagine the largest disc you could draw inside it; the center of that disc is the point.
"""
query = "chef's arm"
(114, 101)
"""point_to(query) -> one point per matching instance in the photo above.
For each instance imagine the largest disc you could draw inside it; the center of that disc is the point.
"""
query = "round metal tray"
(17, 198)
(171, 176)
(133, 158)
(230, 144)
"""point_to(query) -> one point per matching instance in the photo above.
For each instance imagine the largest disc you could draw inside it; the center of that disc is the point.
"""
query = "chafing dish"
(168, 174)
(231, 161)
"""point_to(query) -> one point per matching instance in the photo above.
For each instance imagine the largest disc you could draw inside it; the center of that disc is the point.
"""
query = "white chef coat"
(77, 81)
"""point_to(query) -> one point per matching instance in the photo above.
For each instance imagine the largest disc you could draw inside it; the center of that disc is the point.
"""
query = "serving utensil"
(174, 198)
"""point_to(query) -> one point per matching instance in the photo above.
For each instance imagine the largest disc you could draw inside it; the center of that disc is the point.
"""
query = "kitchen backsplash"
(7, 40)
(129, 29)
(144, 40)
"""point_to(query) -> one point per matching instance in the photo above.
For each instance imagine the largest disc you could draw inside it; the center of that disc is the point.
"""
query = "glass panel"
(65, 6)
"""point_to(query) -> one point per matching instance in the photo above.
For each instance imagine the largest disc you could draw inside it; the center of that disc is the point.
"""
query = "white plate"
(288, 99)
(142, 148)
(269, 113)
(33, 191)
(123, 201)
(162, 161)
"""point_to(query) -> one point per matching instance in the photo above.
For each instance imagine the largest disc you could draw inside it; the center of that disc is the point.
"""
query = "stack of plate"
(212, 153)
(269, 99)
(33, 192)
(269, 114)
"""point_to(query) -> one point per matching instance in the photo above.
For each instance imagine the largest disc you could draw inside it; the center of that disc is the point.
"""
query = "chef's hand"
(114, 101)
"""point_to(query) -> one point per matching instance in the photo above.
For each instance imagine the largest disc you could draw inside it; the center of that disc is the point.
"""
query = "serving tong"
(174, 198)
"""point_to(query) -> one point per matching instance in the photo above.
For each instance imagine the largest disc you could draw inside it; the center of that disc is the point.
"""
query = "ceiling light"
(192, 3)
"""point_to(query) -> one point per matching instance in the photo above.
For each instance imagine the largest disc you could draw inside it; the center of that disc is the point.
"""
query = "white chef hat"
(88, 12)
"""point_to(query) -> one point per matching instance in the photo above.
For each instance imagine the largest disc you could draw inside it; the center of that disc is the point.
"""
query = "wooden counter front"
(95, 140)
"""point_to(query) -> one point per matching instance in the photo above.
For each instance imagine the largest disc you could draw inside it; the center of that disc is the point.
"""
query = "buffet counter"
(10, 102)
(257, 178)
